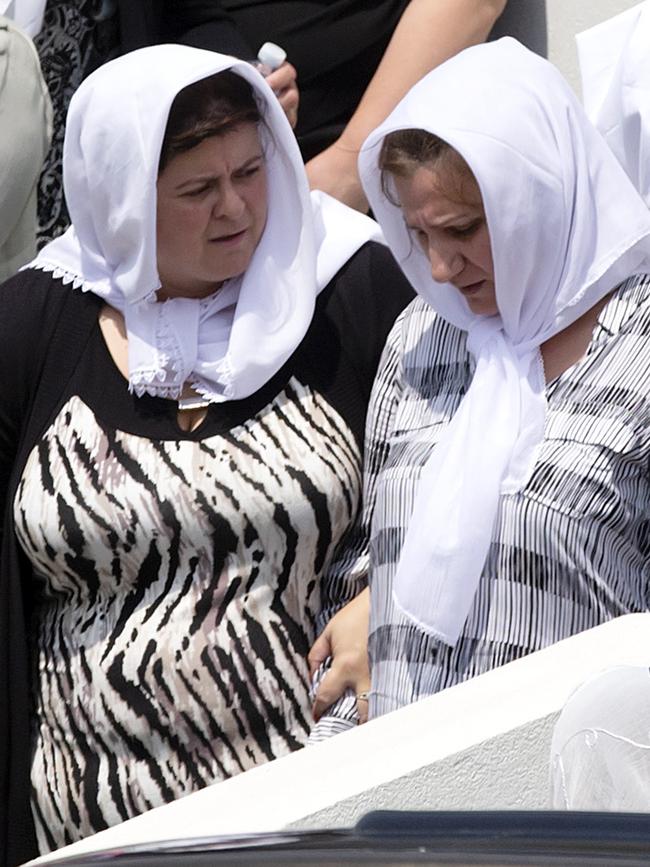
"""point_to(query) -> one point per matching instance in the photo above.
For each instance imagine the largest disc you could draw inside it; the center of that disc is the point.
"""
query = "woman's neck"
(570, 345)
(167, 293)
(111, 324)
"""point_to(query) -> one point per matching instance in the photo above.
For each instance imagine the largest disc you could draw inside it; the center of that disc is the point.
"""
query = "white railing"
(483, 744)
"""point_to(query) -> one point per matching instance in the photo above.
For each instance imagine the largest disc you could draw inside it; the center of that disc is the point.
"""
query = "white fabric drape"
(228, 346)
(600, 752)
(25, 133)
(615, 68)
(566, 227)
(28, 14)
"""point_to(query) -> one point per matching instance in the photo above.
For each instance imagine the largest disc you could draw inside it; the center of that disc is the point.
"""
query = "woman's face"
(452, 231)
(212, 206)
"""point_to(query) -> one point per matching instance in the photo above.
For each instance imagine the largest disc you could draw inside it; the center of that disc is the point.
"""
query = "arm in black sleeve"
(43, 328)
(372, 292)
(35, 309)
(354, 314)
(205, 24)
(17, 347)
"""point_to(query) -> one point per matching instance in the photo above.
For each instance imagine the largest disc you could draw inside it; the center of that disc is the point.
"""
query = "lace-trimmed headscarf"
(566, 226)
(231, 343)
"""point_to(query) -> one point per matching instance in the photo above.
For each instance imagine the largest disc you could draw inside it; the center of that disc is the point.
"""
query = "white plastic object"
(269, 57)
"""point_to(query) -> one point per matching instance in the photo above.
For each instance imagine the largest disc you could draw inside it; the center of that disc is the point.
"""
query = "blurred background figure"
(615, 69)
(427, 33)
(27, 14)
(26, 124)
(74, 37)
(600, 753)
(354, 60)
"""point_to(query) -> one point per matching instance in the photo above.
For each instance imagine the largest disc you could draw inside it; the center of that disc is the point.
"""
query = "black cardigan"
(42, 333)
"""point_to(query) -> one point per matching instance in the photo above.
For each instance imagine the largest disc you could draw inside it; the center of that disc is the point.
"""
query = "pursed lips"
(470, 288)
(230, 237)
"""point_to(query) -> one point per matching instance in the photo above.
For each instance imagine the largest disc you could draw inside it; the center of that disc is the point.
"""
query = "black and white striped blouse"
(570, 551)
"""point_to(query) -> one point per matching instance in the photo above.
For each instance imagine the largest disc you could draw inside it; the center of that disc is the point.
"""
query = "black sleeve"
(20, 311)
(354, 314)
(205, 24)
(43, 326)
(368, 295)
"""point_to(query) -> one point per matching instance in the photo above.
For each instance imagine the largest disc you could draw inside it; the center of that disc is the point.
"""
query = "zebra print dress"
(175, 578)
(178, 595)
(570, 551)
(100, 717)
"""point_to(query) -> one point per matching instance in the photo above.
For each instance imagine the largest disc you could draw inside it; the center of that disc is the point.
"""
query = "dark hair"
(209, 107)
(404, 151)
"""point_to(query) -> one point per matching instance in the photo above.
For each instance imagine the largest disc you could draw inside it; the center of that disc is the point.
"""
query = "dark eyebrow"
(450, 224)
(205, 178)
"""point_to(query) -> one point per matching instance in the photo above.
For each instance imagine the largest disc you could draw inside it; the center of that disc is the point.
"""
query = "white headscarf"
(615, 67)
(232, 343)
(27, 14)
(566, 227)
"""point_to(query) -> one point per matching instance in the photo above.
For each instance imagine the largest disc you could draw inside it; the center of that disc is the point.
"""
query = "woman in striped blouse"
(507, 486)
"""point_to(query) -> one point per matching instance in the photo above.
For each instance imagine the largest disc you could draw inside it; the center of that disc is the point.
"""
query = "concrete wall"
(549, 27)
(483, 744)
(565, 18)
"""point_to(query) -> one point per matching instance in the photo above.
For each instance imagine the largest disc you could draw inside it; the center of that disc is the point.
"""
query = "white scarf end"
(446, 636)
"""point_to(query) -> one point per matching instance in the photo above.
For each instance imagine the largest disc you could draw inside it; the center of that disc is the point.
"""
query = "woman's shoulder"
(32, 304)
(421, 335)
(362, 301)
(29, 293)
(370, 283)
(630, 304)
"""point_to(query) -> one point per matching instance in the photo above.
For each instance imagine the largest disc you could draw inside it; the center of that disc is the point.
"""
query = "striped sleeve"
(348, 573)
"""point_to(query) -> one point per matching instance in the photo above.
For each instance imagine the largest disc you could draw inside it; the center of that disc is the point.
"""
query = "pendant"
(185, 404)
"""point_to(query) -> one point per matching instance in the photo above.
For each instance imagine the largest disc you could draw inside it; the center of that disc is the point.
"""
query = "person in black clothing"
(335, 46)
(183, 383)
(354, 60)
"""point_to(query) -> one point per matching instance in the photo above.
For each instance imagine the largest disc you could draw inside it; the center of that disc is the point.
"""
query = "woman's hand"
(345, 639)
(334, 171)
(283, 82)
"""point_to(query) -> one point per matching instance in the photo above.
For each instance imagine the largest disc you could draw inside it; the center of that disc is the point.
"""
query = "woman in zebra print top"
(507, 489)
(180, 447)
